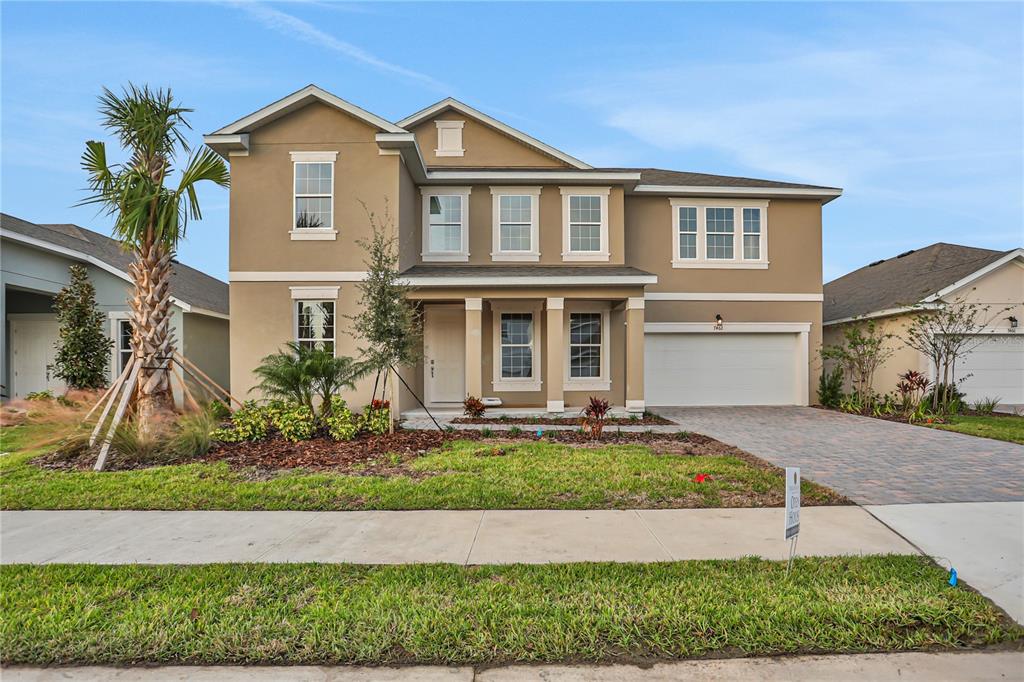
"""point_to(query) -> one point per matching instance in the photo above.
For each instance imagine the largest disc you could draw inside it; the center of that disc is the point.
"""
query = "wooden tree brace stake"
(110, 389)
(114, 392)
(198, 373)
(126, 393)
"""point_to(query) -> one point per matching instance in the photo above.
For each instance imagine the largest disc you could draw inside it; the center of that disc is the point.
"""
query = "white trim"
(533, 254)
(888, 312)
(78, 255)
(450, 125)
(604, 381)
(462, 255)
(234, 145)
(314, 293)
(314, 157)
(552, 176)
(519, 280)
(206, 311)
(635, 303)
(734, 327)
(635, 406)
(725, 296)
(298, 99)
(116, 317)
(450, 102)
(498, 382)
(701, 261)
(474, 304)
(556, 406)
(555, 303)
(295, 321)
(827, 193)
(313, 234)
(977, 274)
(602, 254)
(295, 276)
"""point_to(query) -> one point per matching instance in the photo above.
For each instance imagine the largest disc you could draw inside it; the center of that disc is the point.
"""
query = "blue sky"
(914, 109)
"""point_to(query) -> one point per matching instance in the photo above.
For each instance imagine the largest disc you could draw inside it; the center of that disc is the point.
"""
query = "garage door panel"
(994, 369)
(721, 369)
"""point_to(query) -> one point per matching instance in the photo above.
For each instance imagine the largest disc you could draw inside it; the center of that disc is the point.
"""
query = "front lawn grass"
(446, 614)
(1009, 428)
(462, 475)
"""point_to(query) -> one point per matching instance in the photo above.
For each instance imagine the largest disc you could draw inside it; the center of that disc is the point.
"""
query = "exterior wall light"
(719, 323)
(1013, 323)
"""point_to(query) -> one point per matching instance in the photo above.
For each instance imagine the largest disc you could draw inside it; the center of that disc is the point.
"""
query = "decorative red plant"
(701, 478)
(380, 404)
(473, 407)
(595, 414)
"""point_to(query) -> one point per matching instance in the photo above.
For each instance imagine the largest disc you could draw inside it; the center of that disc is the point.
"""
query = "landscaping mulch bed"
(646, 420)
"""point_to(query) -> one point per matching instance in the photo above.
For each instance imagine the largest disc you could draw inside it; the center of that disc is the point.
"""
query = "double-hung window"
(585, 223)
(515, 224)
(313, 195)
(587, 335)
(446, 224)
(315, 324)
(516, 352)
(124, 344)
(719, 233)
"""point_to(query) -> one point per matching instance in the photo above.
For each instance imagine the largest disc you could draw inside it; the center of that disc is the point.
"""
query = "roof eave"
(824, 194)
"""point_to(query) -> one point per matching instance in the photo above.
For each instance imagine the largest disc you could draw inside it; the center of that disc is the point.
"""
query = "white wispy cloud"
(299, 29)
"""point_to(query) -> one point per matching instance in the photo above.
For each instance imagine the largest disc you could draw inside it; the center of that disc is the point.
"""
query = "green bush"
(250, 422)
(39, 396)
(830, 387)
(294, 422)
(218, 410)
(376, 417)
(986, 405)
(341, 423)
(954, 398)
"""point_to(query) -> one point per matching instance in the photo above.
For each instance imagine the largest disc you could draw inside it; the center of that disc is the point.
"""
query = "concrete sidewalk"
(984, 541)
(973, 666)
(459, 537)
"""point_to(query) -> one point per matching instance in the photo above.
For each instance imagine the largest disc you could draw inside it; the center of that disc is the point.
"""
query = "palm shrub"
(150, 219)
(304, 376)
(83, 351)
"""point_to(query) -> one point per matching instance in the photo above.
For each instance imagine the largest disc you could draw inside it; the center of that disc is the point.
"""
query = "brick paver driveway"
(869, 460)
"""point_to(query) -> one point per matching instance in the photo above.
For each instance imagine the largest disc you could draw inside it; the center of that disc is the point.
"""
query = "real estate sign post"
(792, 529)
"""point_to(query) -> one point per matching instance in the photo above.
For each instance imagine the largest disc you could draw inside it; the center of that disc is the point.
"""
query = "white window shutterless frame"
(585, 223)
(515, 224)
(587, 333)
(719, 233)
(313, 182)
(516, 345)
(445, 224)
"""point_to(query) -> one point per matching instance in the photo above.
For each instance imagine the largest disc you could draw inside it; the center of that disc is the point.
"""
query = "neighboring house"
(888, 291)
(542, 280)
(34, 267)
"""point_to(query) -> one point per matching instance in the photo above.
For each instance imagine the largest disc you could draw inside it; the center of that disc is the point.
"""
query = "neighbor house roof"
(526, 275)
(195, 291)
(908, 279)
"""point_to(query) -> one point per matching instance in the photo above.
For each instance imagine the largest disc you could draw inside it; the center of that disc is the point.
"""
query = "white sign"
(792, 501)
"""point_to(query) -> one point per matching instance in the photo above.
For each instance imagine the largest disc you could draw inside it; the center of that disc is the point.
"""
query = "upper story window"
(313, 195)
(445, 224)
(449, 138)
(515, 226)
(718, 233)
(585, 223)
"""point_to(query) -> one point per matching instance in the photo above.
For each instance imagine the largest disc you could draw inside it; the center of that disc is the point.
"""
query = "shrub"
(830, 387)
(377, 417)
(473, 407)
(486, 432)
(341, 423)
(193, 436)
(250, 422)
(515, 431)
(294, 422)
(986, 405)
(954, 397)
(143, 446)
(83, 350)
(218, 410)
(596, 413)
(911, 389)
(39, 396)
(299, 374)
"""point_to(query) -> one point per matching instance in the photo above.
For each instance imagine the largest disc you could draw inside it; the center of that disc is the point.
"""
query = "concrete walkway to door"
(459, 537)
(871, 461)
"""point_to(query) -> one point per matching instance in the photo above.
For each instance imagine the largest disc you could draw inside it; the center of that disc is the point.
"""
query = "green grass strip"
(1010, 429)
(339, 614)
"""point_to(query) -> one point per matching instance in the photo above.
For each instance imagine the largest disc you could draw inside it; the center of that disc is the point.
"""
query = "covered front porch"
(531, 349)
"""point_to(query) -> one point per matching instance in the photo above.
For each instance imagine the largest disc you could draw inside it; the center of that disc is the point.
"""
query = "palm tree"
(150, 219)
(301, 374)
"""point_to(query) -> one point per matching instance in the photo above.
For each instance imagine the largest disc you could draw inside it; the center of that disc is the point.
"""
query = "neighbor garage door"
(996, 369)
(721, 369)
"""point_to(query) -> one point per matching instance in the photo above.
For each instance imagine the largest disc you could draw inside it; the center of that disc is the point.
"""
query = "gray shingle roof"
(187, 284)
(902, 280)
(658, 176)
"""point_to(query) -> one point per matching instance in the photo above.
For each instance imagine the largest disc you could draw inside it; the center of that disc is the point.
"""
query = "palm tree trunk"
(152, 337)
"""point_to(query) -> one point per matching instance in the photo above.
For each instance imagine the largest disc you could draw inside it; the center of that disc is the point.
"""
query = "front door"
(444, 354)
(33, 348)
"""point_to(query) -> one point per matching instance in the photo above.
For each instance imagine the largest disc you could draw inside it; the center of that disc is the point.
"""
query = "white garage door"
(996, 368)
(721, 369)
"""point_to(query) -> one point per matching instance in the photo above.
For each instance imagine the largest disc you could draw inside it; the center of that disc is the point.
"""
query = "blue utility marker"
(952, 576)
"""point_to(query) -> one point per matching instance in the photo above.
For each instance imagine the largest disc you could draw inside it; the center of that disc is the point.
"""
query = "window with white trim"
(446, 224)
(314, 195)
(516, 224)
(124, 344)
(585, 223)
(516, 345)
(719, 233)
(315, 324)
(585, 337)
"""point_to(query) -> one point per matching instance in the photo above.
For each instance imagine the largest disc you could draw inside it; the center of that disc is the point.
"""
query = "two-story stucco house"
(542, 280)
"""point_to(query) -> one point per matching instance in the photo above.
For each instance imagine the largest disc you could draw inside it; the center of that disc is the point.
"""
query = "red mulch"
(646, 420)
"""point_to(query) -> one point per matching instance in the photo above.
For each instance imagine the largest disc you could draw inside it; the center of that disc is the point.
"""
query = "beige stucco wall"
(1002, 290)
(483, 145)
(262, 192)
(794, 250)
